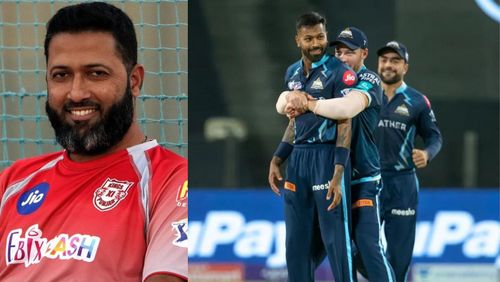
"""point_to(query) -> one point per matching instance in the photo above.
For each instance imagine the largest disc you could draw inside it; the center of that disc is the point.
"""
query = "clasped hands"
(298, 102)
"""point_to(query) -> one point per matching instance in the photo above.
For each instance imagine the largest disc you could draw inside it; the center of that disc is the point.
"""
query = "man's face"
(391, 67)
(90, 102)
(353, 58)
(312, 42)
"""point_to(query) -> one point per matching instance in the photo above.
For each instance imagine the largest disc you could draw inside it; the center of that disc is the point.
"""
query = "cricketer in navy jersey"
(326, 80)
(364, 153)
(351, 47)
(312, 229)
(405, 113)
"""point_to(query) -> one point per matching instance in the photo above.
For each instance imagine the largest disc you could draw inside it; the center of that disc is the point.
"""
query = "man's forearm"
(433, 146)
(340, 108)
(286, 146)
(344, 133)
(289, 135)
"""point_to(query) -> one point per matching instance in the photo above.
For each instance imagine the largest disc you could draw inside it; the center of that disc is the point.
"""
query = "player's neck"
(307, 65)
(134, 136)
(358, 67)
(390, 89)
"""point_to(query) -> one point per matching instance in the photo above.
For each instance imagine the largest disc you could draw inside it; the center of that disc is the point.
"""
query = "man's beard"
(95, 139)
(311, 57)
(390, 80)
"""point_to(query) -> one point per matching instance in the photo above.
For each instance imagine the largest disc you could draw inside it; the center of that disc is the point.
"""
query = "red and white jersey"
(122, 217)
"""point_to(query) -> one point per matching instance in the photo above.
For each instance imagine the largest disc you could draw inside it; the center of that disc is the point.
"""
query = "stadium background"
(238, 53)
(161, 28)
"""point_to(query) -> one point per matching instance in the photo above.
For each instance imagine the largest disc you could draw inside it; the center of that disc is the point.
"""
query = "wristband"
(283, 151)
(341, 156)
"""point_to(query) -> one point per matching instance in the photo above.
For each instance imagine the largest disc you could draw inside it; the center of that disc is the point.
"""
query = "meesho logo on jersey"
(110, 194)
(31, 248)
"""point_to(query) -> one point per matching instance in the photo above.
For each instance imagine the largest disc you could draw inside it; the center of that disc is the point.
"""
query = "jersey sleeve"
(369, 84)
(344, 80)
(167, 233)
(290, 72)
(3, 181)
(427, 128)
(286, 77)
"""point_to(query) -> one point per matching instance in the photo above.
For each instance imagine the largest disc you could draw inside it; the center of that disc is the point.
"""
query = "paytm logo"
(454, 228)
(265, 240)
(248, 239)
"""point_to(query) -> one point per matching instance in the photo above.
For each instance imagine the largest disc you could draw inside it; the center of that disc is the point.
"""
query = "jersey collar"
(361, 68)
(320, 62)
(401, 88)
(316, 64)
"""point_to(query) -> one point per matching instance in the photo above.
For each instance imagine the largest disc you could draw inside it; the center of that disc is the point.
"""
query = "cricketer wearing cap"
(405, 113)
(362, 104)
(314, 225)
(351, 47)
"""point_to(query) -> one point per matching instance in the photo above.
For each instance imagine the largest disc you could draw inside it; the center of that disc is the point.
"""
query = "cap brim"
(345, 42)
(386, 49)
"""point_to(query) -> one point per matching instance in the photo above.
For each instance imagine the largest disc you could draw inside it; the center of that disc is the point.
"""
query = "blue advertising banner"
(246, 226)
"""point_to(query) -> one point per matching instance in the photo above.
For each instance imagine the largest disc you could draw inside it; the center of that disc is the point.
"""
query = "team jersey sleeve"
(369, 84)
(290, 72)
(344, 80)
(167, 233)
(3, 181)
(427, 128)
(286, 77)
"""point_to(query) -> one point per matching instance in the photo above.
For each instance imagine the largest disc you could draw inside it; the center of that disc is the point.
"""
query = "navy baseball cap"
(397, 47)
(352, 37)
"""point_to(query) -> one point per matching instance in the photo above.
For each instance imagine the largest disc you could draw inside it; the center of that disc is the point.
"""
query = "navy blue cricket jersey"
(364, 153)
(408, 113)
(327, 78)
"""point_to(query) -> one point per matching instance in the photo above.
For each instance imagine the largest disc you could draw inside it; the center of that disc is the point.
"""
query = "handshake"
(294, 103)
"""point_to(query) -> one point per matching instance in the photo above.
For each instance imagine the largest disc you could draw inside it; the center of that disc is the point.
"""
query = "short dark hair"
(97, 17)
(309, 19)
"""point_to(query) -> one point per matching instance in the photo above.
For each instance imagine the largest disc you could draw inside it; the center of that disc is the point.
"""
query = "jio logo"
(32, 199)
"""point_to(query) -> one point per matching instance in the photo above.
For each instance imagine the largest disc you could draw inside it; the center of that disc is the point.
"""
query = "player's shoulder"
(366, 74)
(24, 167)
(417, 96)
(340, 71)
(334, 63)
(367, 71)
(165, 160)
(169, 173)
(293, 68)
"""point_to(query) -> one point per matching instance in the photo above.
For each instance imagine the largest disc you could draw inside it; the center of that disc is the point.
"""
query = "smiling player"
(113, 205)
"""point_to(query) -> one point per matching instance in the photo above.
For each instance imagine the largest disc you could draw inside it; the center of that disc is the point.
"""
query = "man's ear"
(136, 79)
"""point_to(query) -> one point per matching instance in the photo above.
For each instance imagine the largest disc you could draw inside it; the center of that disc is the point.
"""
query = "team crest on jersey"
(110, 194)
(317, 84)
(182, 195)
(402, 110)
(181, 233)
(294, 85)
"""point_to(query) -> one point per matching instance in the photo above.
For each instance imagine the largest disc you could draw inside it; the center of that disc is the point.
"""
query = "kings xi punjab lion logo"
(110, 194)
